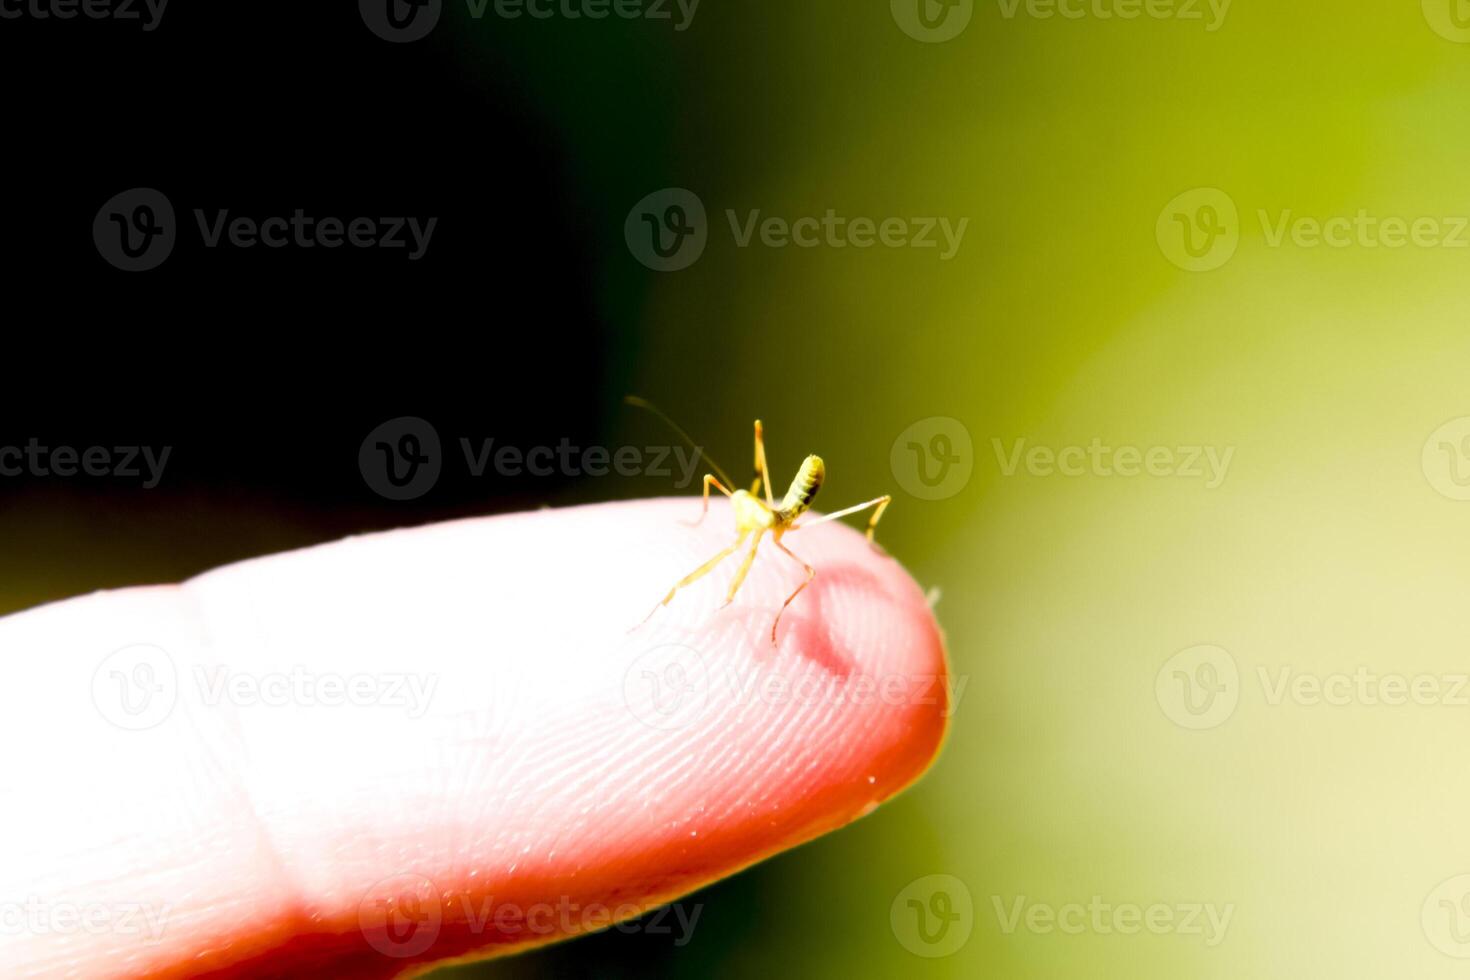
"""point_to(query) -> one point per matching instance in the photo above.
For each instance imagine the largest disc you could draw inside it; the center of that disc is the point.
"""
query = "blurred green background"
(1062, 319)
(1081, 767)
(1324, 829)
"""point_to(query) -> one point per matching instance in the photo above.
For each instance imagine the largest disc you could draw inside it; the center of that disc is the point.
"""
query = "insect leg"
(744, 568)
(811, 573)
(697, 574)
(709, 480)
(762, 474)
(879, 502)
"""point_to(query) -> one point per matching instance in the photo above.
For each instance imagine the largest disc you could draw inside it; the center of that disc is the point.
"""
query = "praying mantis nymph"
(758, 517)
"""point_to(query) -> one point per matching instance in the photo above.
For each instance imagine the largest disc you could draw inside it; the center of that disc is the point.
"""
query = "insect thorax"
(751, 513)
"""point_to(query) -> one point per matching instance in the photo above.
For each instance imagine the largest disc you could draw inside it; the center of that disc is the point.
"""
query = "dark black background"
(265, 368)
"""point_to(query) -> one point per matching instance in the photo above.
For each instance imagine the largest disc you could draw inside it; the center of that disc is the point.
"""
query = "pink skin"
(534, 793)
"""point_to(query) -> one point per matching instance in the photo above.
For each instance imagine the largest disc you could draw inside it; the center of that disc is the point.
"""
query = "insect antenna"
(649, 406)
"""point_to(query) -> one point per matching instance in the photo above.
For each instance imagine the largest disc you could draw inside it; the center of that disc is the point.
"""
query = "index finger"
(518, 765)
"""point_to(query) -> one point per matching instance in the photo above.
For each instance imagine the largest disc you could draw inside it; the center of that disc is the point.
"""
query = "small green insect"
(754, 516)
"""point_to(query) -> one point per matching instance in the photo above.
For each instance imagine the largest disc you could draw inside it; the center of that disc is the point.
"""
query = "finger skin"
(518, 763)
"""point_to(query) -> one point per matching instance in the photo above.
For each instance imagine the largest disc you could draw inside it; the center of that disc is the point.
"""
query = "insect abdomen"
(804, 488)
